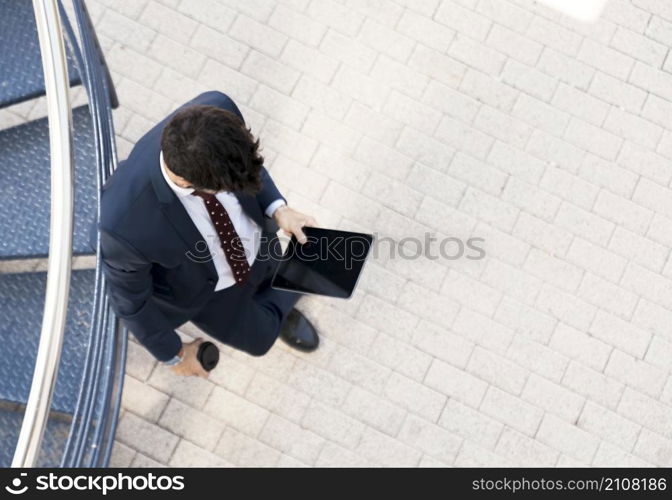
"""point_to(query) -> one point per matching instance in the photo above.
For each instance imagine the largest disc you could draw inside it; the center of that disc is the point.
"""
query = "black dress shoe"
(299, 333)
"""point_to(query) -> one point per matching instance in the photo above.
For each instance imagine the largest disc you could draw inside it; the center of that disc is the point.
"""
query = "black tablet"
(329, 263)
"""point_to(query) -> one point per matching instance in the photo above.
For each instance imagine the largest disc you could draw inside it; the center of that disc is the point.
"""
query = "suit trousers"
(255, 312)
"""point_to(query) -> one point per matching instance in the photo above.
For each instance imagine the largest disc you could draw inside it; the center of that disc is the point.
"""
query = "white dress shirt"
(248, 230)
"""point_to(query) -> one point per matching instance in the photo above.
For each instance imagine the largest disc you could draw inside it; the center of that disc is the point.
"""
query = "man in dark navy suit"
(187, 233)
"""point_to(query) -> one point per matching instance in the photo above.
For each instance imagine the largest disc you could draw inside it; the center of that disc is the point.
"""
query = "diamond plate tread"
(26, 184)
(53, 443)
(21, 303)
(21, 77)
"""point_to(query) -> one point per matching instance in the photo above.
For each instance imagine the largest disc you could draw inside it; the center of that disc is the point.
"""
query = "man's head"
(210, 149)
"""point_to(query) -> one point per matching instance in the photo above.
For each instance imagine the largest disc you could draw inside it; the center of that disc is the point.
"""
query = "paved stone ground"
(471, 118)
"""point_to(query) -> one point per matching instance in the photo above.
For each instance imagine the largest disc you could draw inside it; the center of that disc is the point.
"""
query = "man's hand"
(293, 222)
(190, 364)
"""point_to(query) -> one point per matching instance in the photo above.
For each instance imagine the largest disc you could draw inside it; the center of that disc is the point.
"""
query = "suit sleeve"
(129, 286)
(269, 192)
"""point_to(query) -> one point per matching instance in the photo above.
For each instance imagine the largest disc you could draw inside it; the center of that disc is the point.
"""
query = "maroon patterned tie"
(228, 237)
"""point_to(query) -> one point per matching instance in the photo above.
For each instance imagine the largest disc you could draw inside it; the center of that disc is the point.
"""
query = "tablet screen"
(329, 263)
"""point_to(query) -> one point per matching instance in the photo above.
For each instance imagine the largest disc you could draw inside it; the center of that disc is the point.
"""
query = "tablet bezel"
(335, 232)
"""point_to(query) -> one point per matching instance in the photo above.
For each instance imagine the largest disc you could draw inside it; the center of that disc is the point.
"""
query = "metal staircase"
(21, 78)
(24, 224)
(75, 362)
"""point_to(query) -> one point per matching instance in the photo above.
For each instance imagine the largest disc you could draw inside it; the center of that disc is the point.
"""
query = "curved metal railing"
(106, 355)
(56, 80)
(91, 436)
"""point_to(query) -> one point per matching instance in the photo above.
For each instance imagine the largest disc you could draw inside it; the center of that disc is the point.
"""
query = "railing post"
(56, 80)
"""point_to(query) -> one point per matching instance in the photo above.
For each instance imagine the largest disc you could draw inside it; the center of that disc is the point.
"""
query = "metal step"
(25, 187)
(21, 76)
(21, 303)
(53, 443)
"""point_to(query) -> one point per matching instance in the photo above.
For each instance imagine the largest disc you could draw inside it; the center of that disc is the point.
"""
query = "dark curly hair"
(212, 149)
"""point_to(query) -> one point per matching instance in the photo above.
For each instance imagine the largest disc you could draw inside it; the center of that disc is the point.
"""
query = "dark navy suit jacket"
(158, 274)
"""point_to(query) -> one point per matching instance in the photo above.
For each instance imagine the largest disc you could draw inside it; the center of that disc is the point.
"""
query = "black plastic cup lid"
(208, 355)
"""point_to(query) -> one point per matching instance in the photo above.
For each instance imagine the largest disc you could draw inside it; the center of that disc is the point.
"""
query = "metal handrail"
(107, 350)
(55, 68)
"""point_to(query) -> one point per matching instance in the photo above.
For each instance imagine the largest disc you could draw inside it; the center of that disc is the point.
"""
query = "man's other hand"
(293, 222)
(190, 365)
